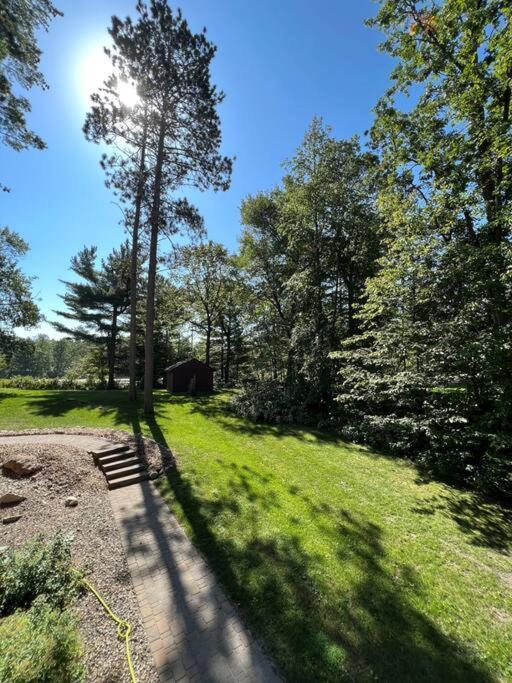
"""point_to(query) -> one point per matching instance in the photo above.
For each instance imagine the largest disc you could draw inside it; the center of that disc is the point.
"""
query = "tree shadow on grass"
(486, 522)
(114, 406)
(370, 631)
(216, 407)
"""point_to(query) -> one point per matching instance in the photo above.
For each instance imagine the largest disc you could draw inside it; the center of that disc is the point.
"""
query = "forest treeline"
(372, 288)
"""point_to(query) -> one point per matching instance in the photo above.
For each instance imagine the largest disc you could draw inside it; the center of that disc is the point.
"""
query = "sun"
(94, 68)
(128, 94)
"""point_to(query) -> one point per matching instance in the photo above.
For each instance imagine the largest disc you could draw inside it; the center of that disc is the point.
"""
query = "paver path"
(194, 631)
(88, 443)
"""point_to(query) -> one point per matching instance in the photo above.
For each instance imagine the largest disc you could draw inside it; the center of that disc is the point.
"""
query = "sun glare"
(127, 93)
(94, 68)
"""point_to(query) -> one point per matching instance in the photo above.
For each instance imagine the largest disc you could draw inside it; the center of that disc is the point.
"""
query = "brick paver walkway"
(194, 631)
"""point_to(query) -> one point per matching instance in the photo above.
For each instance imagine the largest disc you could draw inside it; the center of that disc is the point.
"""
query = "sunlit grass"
(344, 561)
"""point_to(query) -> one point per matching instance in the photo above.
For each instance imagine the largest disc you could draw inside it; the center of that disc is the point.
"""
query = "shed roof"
(184, 362)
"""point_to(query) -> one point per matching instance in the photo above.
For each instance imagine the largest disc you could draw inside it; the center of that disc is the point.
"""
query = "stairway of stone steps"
(120, 464)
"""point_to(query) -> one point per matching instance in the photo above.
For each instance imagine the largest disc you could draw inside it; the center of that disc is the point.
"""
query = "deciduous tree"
(203, 276)
(17, 306)
(432, 373)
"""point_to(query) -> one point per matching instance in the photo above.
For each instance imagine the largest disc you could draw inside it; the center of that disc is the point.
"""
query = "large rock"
(71, 502)
(11, 499)
(11, 519)
(21, 467)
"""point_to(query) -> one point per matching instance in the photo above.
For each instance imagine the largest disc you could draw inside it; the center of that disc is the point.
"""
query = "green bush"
(438, 428)
(269, 401)
(38, 569)
(41, 645)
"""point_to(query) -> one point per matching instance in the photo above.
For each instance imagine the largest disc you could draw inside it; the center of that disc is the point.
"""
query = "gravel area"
(158, 458)
(69, 471)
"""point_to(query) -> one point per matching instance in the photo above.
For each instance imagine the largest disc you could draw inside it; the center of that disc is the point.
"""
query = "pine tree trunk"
(110, 365)
(149, 355)
(132, 353)
(111, 351)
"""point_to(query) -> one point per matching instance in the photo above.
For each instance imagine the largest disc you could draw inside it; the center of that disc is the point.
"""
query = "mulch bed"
(68, 471)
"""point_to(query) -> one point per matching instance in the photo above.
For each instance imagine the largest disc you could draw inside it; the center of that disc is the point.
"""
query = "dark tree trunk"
(335, 304)
(149, 351)
(222, 356)
(208, 344)
(132, 353)
(111, 351)
(289, 366)
(227, 367)
(350, 308)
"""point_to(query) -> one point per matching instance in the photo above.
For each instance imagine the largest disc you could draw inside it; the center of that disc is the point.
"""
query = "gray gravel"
(69, 471)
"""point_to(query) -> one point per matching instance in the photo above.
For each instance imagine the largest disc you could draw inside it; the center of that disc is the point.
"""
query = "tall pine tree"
(98, 302)
(171, 66)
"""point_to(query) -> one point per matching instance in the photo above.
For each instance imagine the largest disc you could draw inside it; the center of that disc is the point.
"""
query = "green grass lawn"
(347, 564)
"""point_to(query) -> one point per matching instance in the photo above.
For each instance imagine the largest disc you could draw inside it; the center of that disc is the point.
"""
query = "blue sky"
(280, 62)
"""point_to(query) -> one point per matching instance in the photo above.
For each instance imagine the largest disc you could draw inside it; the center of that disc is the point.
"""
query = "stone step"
(107, 459)
(118, 464)
(126, 471)
(127, 481)
(110, 450)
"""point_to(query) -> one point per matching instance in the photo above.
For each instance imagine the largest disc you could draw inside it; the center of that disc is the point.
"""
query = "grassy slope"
(345, 562)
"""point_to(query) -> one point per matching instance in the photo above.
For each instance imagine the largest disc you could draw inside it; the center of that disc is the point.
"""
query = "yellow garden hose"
(123, 627)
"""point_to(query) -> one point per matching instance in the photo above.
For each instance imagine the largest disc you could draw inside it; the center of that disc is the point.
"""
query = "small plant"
(38, 569)
(40, 645)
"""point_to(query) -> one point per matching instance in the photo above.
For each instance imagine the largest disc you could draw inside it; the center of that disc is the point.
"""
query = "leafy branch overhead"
(19, 61)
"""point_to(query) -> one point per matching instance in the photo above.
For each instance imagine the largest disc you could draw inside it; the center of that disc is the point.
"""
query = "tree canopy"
(432, 371)
(19, 67)
(98, 301)
(17, 306)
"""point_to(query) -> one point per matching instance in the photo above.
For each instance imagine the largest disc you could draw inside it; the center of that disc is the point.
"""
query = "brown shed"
(189, 377)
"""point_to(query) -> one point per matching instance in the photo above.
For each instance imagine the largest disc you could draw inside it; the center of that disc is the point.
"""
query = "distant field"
(347, 565)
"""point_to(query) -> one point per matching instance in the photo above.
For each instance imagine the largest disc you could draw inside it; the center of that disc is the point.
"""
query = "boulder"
(11, 519)
(11, 499)
(71, 502)
(21, 467)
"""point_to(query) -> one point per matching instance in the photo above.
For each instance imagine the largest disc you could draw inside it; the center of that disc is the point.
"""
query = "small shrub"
(41, 645)
(38, 569)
